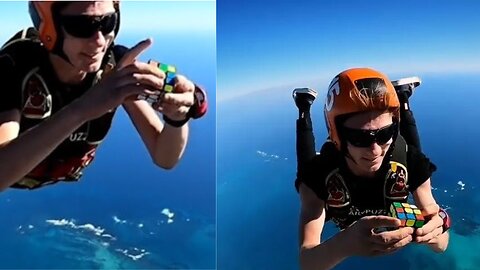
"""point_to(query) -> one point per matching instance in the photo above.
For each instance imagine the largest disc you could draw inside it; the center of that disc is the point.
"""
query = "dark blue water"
(113, 216)
(258, 206)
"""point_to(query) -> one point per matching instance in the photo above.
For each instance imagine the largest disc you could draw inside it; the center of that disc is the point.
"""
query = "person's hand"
(361, 238)
(432, 228)
(175, 105)
(129, 79)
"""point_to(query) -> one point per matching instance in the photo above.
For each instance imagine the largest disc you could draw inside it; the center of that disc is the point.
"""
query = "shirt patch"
(36, 96)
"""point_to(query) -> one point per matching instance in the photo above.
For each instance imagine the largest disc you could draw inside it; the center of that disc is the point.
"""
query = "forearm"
(170, 145)
(20, 155)
(326, 255)
(165, 143)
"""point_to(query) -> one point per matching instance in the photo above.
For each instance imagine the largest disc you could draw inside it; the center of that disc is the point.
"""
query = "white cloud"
(461, 184)
(70, 223)
(90, 227)
(268, 157)
(117, 220)
(106, 235)
(168, 213)
(133, 257)
(61, 222)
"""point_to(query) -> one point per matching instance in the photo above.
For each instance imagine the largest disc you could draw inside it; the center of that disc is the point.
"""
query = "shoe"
(407, 85)
(304, 98)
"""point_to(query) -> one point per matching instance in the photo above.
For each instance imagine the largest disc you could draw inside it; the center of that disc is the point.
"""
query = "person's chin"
(373, 166)
(94, 68)
(91, 67)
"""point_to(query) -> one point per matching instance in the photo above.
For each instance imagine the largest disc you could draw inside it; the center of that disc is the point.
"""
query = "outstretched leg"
(304, 98)
(408, 126)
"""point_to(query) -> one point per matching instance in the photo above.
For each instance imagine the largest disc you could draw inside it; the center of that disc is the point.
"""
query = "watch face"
(446, 219)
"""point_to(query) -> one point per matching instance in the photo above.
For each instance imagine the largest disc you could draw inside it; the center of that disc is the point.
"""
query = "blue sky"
(270, 43)
(179, 16)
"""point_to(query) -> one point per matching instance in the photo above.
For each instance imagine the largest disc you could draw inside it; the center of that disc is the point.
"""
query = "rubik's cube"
(168, 83)
(170, 71)
(409, 214)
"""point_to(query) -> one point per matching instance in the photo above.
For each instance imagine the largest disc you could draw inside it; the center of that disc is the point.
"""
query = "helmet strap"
(62, 55)
(345, 152)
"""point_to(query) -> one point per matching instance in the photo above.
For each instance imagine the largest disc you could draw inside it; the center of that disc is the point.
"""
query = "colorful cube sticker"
(409, 214)
(168, 88)
(169, 81)
(167, 68)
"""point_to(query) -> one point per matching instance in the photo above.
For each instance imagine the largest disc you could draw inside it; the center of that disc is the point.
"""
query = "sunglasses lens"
(365, 138)
(109, 23)
(364, 141)
(84, 26)
(77, 26)
(358, 138)
(384, 135)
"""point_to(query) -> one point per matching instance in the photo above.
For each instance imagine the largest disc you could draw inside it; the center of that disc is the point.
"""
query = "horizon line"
(475, 68)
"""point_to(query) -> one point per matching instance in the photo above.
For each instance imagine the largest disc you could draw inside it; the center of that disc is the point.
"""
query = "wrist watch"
(198, 109)
(200, 104)
(446, 219)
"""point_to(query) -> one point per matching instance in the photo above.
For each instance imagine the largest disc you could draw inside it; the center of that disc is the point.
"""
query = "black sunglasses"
(85, 26)
(365, 138)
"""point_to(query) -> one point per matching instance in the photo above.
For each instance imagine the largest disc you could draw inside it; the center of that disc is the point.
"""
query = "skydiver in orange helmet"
(364, 166)
(62, 81)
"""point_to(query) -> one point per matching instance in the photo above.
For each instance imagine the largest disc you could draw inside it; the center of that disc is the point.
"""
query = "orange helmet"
(352, 92)
(44, 15)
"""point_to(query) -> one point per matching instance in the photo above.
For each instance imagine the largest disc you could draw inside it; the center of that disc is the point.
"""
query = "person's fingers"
(183, 85)
(138, 73)
(147, 80)
(429, 236)
(133, 91)
(173, 111)
(179, 99)
(150, 82)
(432, 241)
(133, 53)
(380, 221)
(155, 70)
(380, 249)
(431, 225)
(140, 67)
(402, 242)
(389, 237)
